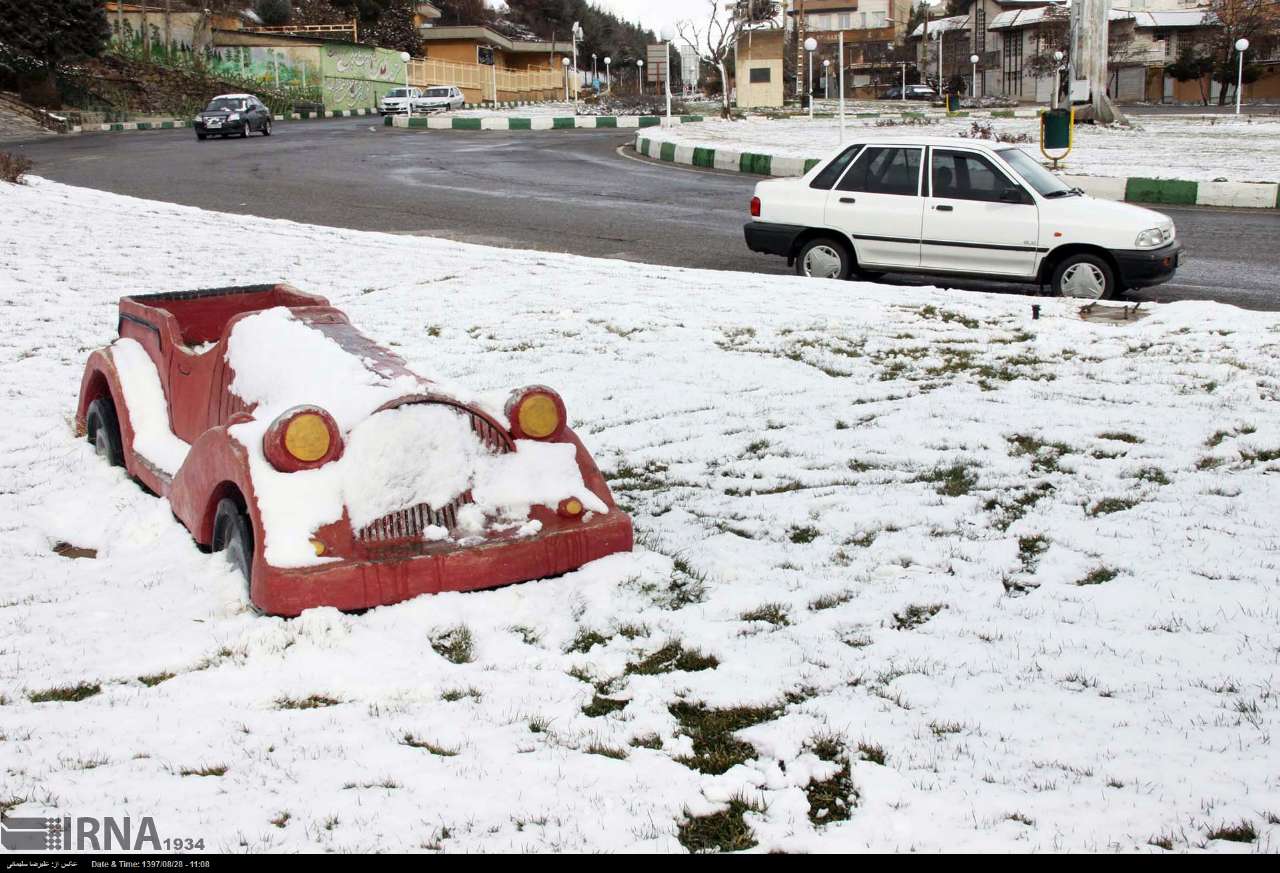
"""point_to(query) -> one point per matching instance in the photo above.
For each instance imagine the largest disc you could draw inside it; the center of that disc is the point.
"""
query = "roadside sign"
(655, 62)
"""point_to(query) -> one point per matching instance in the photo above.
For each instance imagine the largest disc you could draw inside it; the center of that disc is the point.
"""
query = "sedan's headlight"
(1150, 239)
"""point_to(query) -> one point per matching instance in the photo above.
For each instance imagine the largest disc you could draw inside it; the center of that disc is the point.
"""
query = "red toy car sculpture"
(329, 473)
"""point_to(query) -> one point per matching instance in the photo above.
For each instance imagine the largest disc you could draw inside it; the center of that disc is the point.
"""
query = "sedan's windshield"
(437, 92)
(226, 104)
(1045, 183)
(397, 92)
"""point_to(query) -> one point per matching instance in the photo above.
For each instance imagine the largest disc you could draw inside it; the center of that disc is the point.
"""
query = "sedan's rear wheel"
(233, 534)
(823, 258)
(1084, 277)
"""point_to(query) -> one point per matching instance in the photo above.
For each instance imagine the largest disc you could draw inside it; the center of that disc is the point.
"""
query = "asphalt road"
(551, 190)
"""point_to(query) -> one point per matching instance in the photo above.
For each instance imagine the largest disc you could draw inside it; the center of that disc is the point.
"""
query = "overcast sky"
(653, 14)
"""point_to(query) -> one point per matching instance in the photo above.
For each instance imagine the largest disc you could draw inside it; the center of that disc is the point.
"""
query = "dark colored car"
(914, 92)
(233, 115)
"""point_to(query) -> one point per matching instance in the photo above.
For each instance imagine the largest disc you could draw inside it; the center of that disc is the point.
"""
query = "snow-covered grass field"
(915, 570)
(1193, 147)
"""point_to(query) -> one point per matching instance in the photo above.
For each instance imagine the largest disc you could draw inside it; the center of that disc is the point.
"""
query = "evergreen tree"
(273, 13)
(38, 38)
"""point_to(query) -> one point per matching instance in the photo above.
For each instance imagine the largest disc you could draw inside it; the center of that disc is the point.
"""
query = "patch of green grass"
(756, 448)
(1008, 508)
(1120, 436)
(1209, 462)
(539, 725)
(455, 645)
(862, 540)
(204, 770)
(607, 751)
(1108, 505)
(154, 679)
(452, 695)
(833, 798)
(673, 658)
(956, 480)
(943, 728)
(646, 741)
(802, 535)
(916, 614)
(830, 601)
(1216, 439)
(66, 693)
(715, 749)
(282, 818)
(585, 640)
(1030, 549)
(415, 742)
(633, 631)
(1152, 474)
(873, 752)
(528, 635)
(1241, 832)
(600, 706)
(1162, 841)
(777, 614)
(725, 831)
(315, 701)
(1098, 576)
(386, 783)
(1262, 455)
(1044, 455)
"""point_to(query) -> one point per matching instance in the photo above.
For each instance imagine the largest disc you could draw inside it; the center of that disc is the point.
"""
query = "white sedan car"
(440, 98)
(958, 207)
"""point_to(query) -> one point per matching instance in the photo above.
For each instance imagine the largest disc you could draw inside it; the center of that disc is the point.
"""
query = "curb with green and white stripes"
(175, 123)
(1133, 189)
(536, 122)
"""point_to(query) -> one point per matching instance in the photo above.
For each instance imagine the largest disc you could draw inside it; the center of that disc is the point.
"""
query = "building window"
(761, 75)
(1013, 63)
(980, 29)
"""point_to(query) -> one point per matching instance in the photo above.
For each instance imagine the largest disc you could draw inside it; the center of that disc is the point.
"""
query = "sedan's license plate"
(213, 122)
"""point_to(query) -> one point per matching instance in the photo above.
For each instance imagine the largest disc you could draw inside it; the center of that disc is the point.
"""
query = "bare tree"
(719, 35)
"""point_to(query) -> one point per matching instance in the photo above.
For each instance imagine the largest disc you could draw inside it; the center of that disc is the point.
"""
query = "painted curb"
(537, 122)
(175, 123)
(1134, 189)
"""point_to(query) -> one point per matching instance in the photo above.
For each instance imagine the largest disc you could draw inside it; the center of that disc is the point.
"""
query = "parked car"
(958, 207)
(397, 101)
(328, 472)
(914, 92)
(440, 98)
(233, 114)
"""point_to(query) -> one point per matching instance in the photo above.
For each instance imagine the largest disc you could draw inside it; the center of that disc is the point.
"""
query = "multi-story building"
(873, 32)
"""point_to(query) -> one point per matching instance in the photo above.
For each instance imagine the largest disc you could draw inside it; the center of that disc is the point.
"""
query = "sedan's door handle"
(847, 200)
(942, 207)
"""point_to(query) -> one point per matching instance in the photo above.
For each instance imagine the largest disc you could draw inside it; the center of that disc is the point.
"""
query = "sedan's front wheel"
(1085, 277)
(823, 258)
(266, 127)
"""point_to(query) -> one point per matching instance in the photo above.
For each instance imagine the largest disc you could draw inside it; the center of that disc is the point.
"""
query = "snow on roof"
(1179, 18)
(943, 25)
(233, 97)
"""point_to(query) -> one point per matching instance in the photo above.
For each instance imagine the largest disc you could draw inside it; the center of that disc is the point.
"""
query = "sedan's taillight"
(755, 207)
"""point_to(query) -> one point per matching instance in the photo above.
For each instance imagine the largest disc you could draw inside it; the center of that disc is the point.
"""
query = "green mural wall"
(356, 76)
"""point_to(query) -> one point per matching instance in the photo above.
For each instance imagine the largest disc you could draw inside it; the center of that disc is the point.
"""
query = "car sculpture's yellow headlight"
(535, 413)
(302, 438)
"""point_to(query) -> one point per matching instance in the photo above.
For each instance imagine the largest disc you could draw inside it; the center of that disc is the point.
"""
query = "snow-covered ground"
(1199, 147)
(998, 583)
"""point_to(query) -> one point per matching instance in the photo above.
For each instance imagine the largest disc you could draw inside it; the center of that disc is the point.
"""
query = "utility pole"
(168, 26)
(800, 25)
(1088, 73)
(146, 32)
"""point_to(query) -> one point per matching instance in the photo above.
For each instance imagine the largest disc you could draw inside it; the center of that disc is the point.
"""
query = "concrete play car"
(327, 471)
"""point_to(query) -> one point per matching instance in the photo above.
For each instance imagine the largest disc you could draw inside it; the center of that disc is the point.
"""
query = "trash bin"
(1055, 129)
(953, 102)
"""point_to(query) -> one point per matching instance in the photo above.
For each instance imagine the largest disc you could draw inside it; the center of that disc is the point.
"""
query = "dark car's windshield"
(1047, 184)
(227, 104)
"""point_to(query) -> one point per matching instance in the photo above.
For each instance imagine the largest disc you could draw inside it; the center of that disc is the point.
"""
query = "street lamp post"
(595, 74)
(667, 36)
(640, 75)
(575, 35)
(408, 101)
(903, 96)
(564, 62)
(1242, 46)
(939, 38)
(608, 82)
(840, 64)
(826, 78)
(1057, 78)
(973, 59)
(810, 46)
